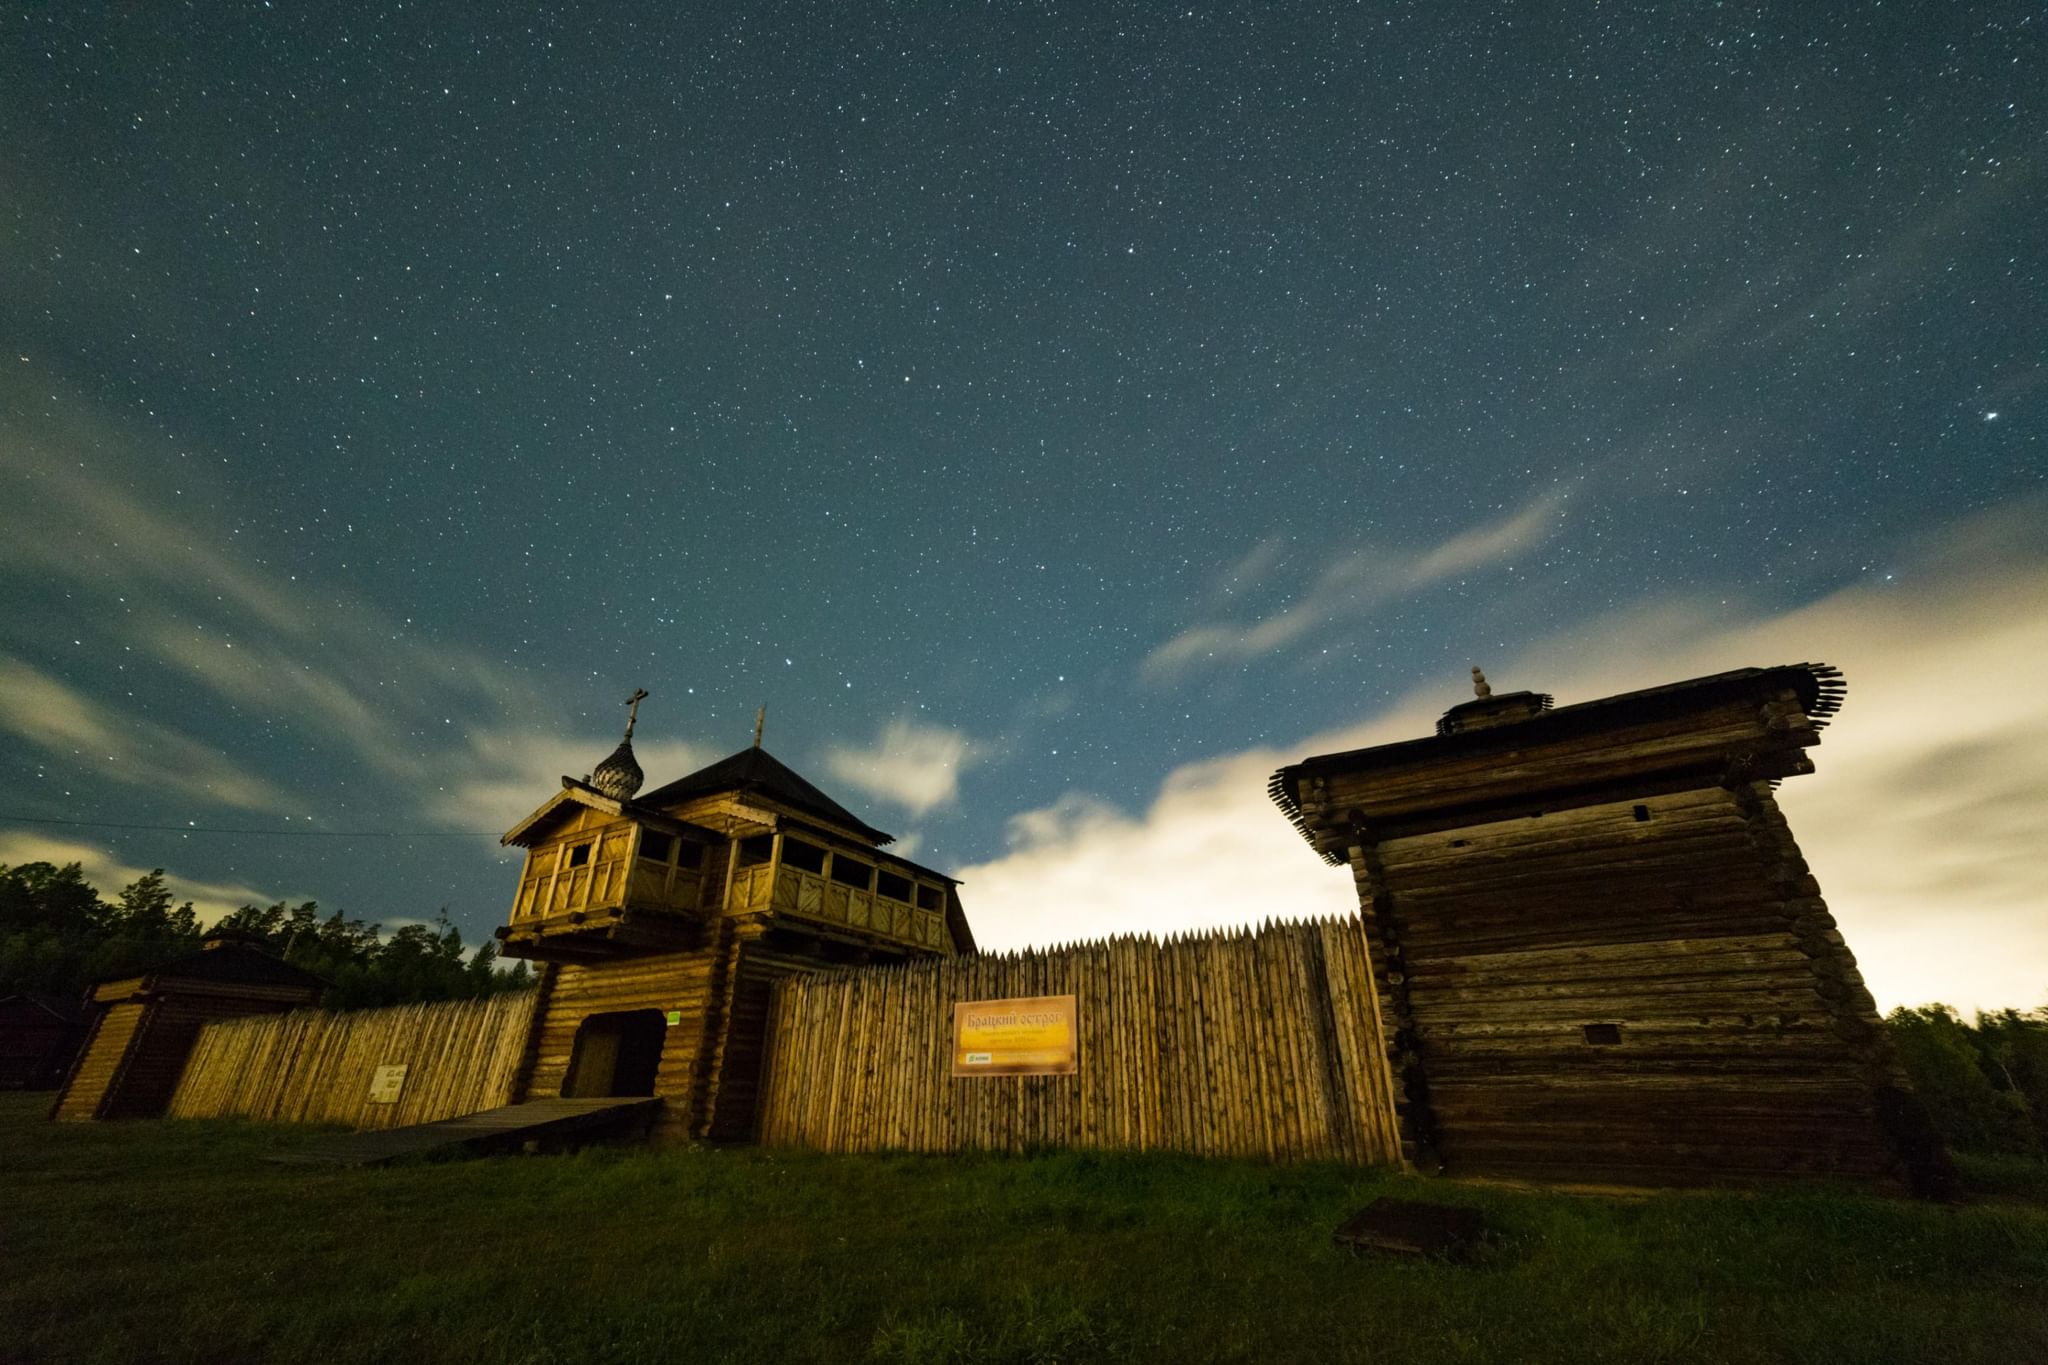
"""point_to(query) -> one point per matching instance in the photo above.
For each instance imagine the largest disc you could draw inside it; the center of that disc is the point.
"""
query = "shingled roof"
(760, 772)
(240, 963)
(1819, 686)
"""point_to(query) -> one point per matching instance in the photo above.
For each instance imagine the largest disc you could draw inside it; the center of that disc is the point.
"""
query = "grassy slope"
(176, 1242)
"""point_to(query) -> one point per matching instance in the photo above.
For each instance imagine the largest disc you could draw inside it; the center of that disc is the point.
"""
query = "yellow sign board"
(385, 1085)
(1032, 1036)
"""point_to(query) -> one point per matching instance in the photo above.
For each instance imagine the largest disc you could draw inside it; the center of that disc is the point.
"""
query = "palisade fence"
(1239, 1043)
(316, 1066)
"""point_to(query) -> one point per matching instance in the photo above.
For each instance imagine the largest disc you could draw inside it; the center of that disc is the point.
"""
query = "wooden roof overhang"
(862, 942)
(597, 935)
(533, 828)
(232, 971)
(1750, 724)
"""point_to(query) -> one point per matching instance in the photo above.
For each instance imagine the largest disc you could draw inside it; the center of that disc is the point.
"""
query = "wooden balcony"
(569, 909)
(797, 894)
(613, 884)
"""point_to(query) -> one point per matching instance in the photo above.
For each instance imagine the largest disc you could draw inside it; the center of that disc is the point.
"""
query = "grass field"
(176, 1242)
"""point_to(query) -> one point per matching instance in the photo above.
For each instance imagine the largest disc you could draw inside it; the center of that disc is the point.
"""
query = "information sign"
(386, 1084)
(1031, 1036)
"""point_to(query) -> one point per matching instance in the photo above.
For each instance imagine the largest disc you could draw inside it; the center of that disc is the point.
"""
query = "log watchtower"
(145, 1026)
(663, 919)
(1598, 952)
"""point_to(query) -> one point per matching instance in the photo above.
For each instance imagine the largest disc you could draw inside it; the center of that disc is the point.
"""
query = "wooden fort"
(144, 1026)
(664, 919)
(1597, 950)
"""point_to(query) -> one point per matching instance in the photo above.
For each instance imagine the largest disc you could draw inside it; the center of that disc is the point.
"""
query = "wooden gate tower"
(663, 920)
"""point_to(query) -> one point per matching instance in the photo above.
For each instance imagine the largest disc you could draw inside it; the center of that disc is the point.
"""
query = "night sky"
(1057, 416)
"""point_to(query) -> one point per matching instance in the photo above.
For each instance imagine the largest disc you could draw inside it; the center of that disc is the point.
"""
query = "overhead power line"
(291, 833)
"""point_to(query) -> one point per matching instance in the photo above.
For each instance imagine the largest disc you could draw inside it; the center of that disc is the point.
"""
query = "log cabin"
(661, 922)
(1598, 953)
(144, 1026)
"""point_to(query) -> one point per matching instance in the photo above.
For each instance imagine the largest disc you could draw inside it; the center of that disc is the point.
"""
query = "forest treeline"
(58, 935)
(1985, 1082)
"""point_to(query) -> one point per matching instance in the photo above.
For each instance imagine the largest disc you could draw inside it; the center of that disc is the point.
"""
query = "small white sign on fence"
(386, 1084)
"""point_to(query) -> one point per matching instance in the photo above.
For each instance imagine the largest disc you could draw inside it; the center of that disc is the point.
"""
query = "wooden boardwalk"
(548, 1123)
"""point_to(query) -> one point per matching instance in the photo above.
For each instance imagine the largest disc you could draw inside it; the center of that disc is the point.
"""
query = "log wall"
(732, 1098)
(1243, 1043)
(1642, 991)
(99, 1062)
(688, 982)
(163, 1045)
(316, 1066)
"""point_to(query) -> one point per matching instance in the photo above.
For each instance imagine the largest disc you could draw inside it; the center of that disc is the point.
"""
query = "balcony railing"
(791, 891)
(608, 883)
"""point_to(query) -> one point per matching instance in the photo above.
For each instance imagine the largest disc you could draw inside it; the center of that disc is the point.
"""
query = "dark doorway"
(615, 1054)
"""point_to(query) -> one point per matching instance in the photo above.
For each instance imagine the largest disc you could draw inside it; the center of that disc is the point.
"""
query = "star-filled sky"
(1057, 416)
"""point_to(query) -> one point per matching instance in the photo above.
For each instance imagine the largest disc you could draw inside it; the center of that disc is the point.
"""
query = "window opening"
(930, 898)
(805, 857)
(888, 884)
(1603, 1035)
(579, 855)
(757, 850)
(655, 846)
(849, 872)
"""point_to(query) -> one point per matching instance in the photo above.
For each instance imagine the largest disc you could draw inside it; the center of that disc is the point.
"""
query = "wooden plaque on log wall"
(386, 1084)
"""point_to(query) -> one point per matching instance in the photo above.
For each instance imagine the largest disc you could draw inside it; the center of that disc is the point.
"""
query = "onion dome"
(619, 776)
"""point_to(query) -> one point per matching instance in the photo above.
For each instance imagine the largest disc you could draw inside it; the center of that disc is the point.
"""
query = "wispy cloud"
(125, 521)
(1250, 569)
(1351, 586)
(1922, 821)
(916, 767)
(80, 520)
(271, 679)
(210, 900)
(85, 734)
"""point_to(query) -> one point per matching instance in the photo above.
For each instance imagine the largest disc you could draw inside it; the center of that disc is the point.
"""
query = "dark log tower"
(663, 921)
(145, 1026)
(1599, 955)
